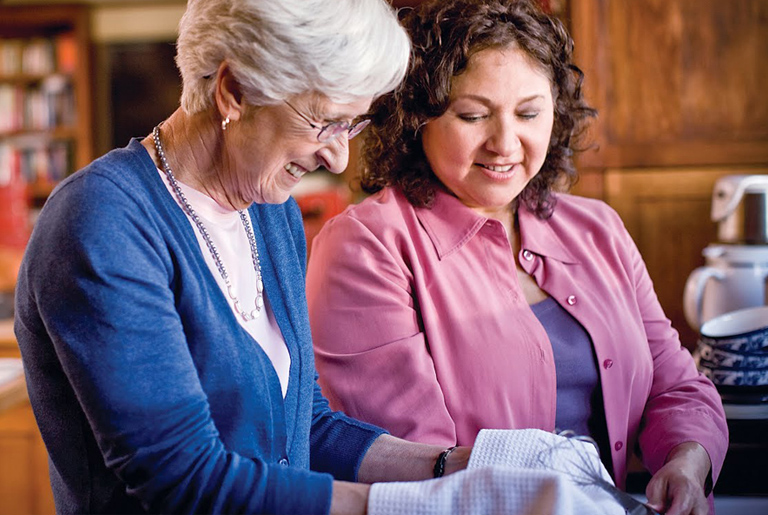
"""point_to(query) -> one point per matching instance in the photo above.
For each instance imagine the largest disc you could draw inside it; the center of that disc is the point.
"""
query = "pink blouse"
(420, 326)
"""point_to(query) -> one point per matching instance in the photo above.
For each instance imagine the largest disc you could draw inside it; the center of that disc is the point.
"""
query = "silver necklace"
(259, 302)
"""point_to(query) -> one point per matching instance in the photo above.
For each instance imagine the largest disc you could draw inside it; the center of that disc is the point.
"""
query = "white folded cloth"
(537, 449)
(518, 472)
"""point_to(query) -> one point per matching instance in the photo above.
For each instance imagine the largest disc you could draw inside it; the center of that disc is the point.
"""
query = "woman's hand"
(678, 487)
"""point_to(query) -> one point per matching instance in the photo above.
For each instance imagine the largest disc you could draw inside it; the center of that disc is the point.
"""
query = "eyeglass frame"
(330, 128)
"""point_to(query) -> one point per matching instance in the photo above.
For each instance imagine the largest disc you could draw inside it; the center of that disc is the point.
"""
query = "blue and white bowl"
(715, 357)
(733, 349)
(744, 330)
(736, 377)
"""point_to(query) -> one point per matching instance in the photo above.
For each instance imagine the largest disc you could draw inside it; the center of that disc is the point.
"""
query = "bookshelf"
(45, 134)
(45, 108)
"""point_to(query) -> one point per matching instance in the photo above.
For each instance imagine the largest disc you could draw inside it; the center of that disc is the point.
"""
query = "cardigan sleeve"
(337, 443)
(682, 405)
(96, 286)
(367, 330)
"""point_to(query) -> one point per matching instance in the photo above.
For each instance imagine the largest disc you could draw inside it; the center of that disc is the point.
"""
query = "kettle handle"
(694, 290)
(748, 181)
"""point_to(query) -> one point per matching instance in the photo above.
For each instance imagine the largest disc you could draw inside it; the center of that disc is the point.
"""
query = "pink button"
(571, 300)
(608, 363)
(527, 255)
(618, 445)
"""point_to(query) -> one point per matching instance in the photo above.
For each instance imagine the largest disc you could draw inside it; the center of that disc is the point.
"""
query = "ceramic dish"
(744, 330)
(735, 377)
(721, 358)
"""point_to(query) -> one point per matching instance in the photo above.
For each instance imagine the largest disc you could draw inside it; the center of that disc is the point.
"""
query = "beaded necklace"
(259, 302)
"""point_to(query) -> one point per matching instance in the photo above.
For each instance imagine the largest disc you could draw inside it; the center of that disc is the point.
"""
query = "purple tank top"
(579, 396)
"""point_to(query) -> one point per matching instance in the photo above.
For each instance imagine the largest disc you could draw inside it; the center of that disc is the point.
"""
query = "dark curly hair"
(445, 34)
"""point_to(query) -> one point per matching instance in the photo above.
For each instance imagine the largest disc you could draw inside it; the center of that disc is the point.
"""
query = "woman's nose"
(505, 139)
(334, 155)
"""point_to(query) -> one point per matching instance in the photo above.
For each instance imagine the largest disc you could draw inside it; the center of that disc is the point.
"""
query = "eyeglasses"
(334, 129)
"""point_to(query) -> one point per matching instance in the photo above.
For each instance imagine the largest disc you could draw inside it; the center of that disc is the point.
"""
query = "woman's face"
(494, 137)
(272, 147)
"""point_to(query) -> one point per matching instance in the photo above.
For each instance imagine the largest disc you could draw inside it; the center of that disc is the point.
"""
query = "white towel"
(519, 472)
(537, 449)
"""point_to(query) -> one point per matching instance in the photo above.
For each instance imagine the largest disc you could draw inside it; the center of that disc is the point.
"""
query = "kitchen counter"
(13, 388)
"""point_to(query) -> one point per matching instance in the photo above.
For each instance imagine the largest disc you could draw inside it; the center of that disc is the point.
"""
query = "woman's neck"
(191, 145)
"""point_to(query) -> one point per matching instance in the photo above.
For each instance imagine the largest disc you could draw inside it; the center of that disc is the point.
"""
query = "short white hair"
(343, 49)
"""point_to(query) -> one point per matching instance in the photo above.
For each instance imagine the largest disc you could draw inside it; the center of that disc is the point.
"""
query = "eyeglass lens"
(335, 129)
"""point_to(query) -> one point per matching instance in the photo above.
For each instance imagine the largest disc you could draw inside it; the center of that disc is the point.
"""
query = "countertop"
(13, 388)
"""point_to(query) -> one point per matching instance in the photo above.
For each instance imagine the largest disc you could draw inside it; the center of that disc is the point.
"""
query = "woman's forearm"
(695, 457)
(394, 459)
(349, 498)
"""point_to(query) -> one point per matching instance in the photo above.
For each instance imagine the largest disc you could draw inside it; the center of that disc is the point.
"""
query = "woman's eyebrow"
(485, 100)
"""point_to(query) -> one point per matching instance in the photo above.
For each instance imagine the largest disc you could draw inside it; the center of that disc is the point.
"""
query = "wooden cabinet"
(677, 82)
(679, 85)
(45, 105)
(24, 483)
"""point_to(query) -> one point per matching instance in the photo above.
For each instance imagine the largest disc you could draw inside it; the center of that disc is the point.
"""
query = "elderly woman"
(466, 293)
(160, 306)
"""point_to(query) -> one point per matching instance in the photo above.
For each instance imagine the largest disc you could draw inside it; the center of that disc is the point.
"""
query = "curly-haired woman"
(468, 291)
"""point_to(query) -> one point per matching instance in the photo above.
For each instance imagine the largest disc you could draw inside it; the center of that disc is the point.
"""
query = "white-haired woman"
(161, 311)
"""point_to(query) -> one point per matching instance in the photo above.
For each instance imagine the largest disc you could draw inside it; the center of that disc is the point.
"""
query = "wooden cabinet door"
(24, 483)
(25, 486)
(677, 82)
(667, 212)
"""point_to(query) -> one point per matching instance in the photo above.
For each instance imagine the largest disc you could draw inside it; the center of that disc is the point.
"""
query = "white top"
(228, 235)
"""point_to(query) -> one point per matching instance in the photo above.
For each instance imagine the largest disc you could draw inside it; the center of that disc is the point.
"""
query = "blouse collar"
(450, 225)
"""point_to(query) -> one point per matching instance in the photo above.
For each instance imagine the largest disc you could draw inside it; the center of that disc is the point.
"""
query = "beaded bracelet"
(439, 469)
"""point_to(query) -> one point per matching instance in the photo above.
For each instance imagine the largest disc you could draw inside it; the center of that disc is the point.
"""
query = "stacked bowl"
(733, 353)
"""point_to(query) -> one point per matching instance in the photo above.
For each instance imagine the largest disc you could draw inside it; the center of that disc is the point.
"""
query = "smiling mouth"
(294, 170)
(497, 168)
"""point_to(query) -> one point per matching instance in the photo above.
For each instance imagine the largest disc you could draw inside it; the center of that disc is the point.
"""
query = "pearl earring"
(225, 123)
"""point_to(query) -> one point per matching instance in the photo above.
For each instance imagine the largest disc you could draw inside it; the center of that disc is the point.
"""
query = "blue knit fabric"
(149, 394)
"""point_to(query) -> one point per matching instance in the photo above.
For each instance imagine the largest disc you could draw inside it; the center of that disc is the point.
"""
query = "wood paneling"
(677, 82)
(667, 212)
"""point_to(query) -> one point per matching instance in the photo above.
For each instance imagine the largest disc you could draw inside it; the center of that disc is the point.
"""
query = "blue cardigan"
(149, 395)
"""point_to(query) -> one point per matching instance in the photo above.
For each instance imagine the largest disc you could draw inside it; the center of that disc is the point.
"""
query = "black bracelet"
(439, 469)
